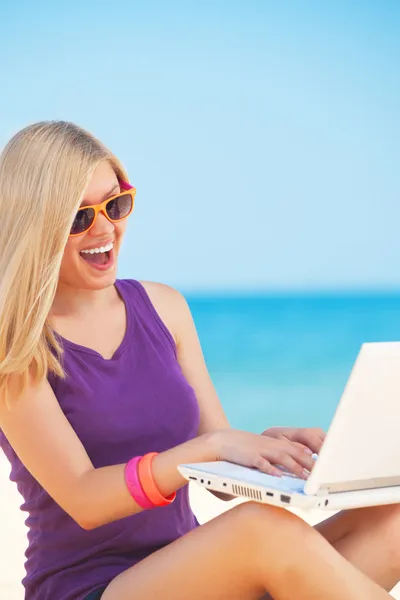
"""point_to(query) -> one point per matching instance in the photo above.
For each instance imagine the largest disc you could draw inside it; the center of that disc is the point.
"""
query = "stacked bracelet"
(133, 483)
(148, 484)
(141, 485)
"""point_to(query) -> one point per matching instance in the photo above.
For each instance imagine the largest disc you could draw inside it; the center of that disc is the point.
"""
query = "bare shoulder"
(169, 303)
(163, 293)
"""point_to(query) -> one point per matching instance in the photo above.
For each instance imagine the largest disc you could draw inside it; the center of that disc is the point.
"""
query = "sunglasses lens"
(83, 220)
(120, 207)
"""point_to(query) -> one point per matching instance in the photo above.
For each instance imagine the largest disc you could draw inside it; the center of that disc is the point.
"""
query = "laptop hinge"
(358, 485)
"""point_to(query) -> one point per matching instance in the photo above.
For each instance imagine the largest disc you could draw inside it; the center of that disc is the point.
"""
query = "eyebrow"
(110, 193)
(107, 195)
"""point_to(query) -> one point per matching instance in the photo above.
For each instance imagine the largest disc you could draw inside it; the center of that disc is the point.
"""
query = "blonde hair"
(44, 171)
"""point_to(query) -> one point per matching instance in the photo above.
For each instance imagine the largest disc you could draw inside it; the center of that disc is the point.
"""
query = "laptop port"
(270, 494)
(191, 477)
(285, 499)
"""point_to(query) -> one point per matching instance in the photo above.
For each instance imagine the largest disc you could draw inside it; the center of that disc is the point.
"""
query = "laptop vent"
(248, 492)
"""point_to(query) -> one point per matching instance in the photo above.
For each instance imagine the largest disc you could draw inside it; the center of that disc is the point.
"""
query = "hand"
(309, 439)
(261, 452)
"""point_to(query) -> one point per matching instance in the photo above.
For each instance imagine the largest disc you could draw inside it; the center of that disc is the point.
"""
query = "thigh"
(344, 522)
(337, 526)
(241, 555)
(215, 561)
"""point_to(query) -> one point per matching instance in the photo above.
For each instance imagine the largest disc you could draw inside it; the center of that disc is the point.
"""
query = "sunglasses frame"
(126, 189)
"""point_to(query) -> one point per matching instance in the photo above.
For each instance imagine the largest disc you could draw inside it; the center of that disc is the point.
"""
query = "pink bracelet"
(134, 485)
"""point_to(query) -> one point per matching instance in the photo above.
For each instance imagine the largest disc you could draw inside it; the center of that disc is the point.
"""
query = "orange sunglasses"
(115, 209)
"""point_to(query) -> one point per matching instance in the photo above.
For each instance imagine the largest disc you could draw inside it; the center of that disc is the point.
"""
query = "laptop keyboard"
(292, 483)
(244, 475)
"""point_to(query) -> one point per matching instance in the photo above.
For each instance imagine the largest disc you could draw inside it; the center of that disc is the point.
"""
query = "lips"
(101, 247)
(101, 261)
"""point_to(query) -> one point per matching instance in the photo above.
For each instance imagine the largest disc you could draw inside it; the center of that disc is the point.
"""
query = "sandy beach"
(13, 540)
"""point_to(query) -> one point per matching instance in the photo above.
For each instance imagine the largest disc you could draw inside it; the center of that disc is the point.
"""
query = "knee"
(262, 521)
(268, 531)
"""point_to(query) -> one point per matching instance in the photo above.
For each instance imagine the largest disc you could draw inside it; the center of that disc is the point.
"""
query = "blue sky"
(263, 137)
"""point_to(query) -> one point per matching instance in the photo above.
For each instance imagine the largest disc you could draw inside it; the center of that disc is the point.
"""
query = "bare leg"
(370, 539)
(241, 555)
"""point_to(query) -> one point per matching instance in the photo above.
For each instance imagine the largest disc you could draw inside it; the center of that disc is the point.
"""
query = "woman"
(96, 372)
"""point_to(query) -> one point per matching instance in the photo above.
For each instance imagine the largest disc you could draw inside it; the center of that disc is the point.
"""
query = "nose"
(102, 226)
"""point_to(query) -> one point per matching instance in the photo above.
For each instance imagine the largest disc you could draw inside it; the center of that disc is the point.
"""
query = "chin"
(99, 282)
(84, 281)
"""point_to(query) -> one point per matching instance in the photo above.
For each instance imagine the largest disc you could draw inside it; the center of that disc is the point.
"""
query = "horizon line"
(233, 292)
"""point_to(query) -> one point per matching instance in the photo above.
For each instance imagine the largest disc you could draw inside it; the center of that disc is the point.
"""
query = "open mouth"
(100, 259)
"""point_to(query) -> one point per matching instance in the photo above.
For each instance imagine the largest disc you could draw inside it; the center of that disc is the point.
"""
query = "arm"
(47, 445)
(175, 312)
(191, 359)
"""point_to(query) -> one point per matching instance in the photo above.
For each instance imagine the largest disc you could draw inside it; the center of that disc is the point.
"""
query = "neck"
(71, 301)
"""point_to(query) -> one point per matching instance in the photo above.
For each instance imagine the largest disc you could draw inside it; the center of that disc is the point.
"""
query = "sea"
(285, 359)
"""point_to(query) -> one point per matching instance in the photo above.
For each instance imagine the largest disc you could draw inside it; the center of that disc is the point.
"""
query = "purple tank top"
(138, 401)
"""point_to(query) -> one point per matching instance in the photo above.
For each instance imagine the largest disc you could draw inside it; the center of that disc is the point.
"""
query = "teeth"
(97, 250)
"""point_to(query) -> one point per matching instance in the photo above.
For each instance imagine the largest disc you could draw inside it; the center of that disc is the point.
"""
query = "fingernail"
(308, 451)
(306, 473)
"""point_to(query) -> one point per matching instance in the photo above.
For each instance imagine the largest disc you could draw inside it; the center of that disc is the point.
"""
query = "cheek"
(69, 258)
(120, 228)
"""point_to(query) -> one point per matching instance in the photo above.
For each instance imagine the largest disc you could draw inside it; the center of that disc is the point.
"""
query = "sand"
(13, 532)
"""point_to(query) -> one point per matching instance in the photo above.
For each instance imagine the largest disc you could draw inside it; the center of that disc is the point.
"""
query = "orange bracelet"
(148, 484)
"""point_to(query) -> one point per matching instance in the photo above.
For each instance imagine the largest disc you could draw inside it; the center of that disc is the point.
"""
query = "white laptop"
(359, 463)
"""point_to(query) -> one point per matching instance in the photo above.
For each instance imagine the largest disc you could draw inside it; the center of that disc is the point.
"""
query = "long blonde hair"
(44, 171)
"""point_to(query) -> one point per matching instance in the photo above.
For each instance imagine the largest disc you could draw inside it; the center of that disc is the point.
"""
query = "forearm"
(102, 495)
(173, 455)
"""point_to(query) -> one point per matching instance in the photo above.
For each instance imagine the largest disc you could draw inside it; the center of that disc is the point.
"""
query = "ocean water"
(284, 360)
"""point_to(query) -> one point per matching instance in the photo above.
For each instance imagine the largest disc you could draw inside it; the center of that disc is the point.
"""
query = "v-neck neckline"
(125, 339)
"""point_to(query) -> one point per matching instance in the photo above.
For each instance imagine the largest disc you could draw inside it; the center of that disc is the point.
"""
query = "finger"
(320, 433)
(301, 457)
(317, 434)
(289, 463)
(286, 454)
(262, 464)
(302, 447)
(316, 444)
(309, 438)
(279, 450)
